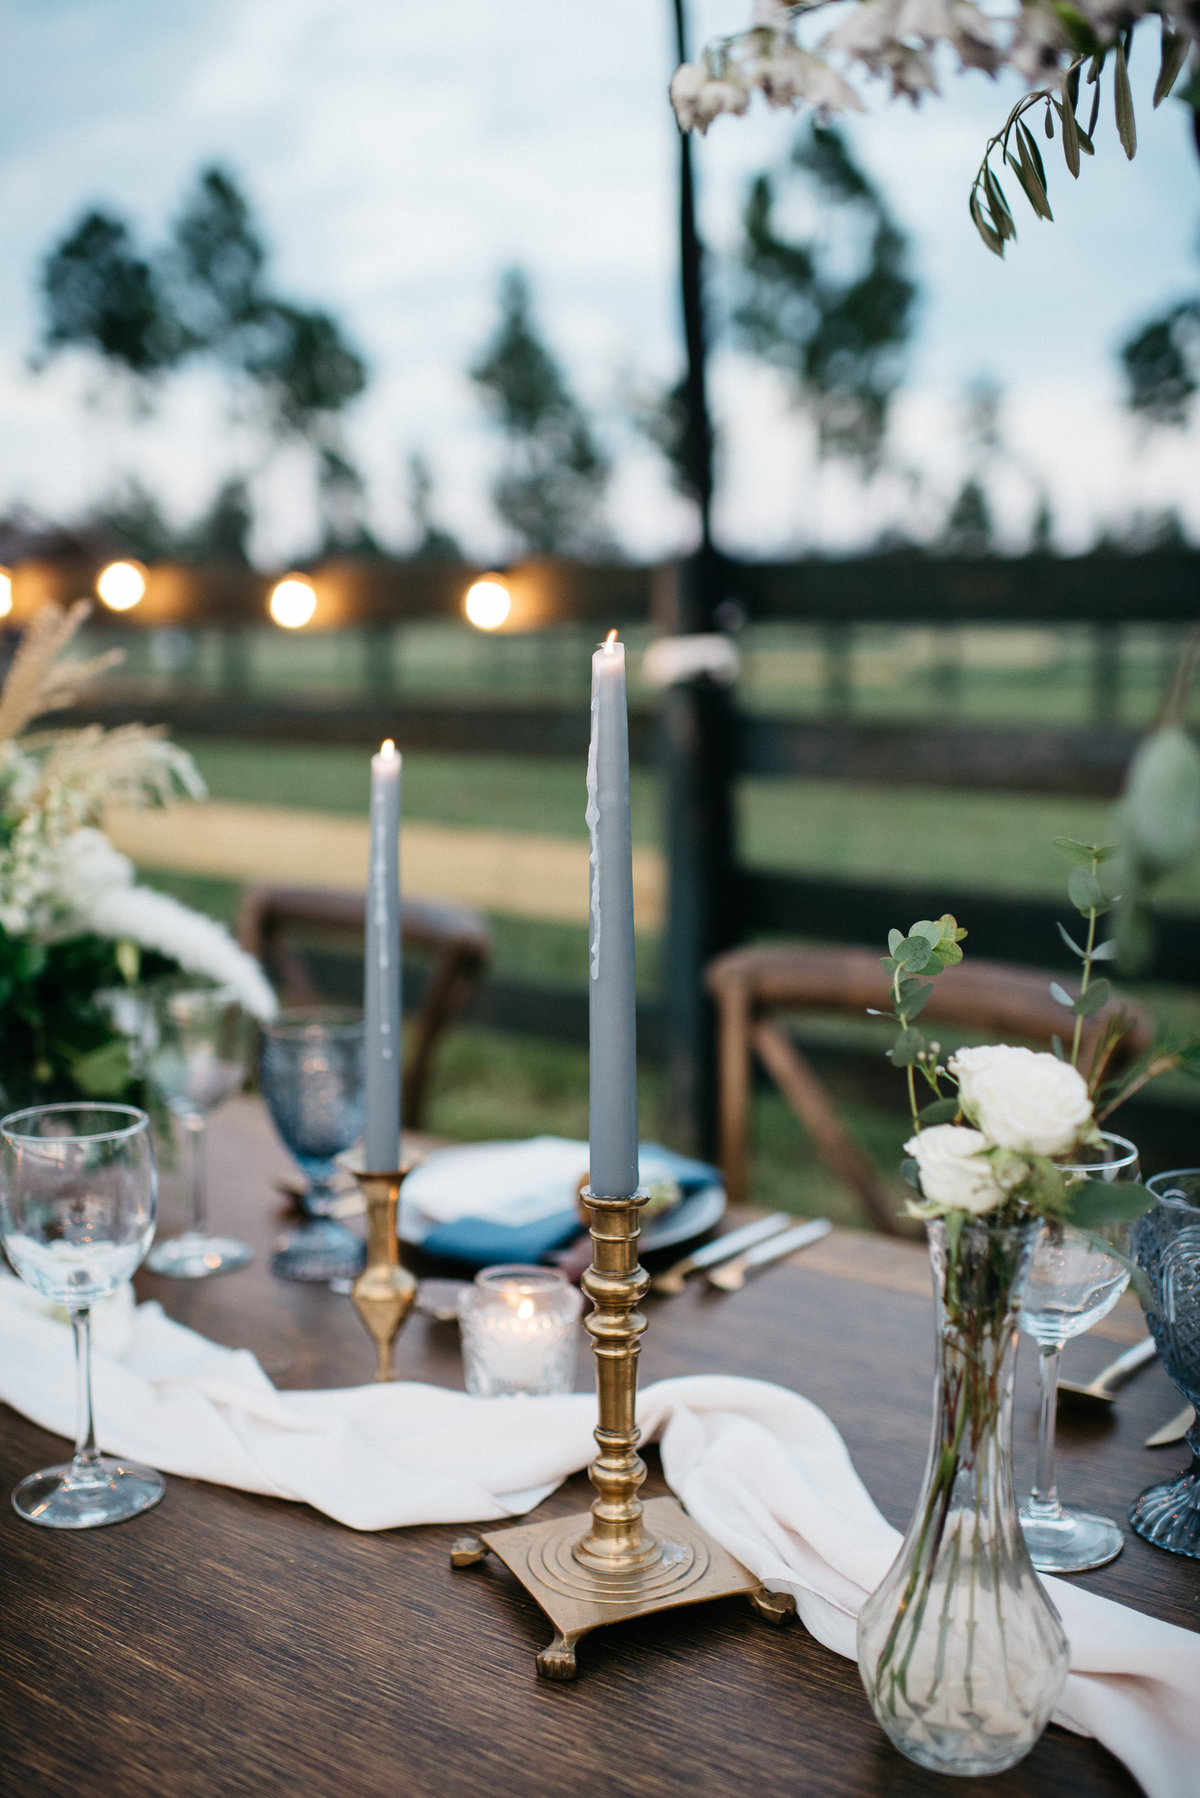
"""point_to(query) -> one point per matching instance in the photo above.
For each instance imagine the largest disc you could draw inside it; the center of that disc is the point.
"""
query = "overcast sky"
(400, 153)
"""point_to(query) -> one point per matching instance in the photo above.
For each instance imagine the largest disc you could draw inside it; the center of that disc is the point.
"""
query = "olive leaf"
(1174, 54)
(1070, 133)
(1123, 97)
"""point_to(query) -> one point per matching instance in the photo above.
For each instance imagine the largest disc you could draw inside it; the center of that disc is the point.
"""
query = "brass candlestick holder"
(624, 1558)
(384, 1293)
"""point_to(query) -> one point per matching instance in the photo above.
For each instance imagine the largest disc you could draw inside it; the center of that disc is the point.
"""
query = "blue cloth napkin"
(484, 1242)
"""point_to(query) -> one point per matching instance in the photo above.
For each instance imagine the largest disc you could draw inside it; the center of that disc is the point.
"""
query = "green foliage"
(1093, 1203)
(839, 338)
(56, 1043)
(433, 543)
(549, 490)
(1162, 366)
(202, 294)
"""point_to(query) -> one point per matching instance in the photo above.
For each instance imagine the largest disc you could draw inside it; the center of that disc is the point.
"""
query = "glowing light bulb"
(121, 585)
(293, 602)
(6, 592)
(487, 604)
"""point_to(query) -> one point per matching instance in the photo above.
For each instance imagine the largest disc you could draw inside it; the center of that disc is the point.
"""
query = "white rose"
(1033, 1103)
(955, 1173)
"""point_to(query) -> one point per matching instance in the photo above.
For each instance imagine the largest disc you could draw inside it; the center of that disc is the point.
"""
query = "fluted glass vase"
(961, 1652)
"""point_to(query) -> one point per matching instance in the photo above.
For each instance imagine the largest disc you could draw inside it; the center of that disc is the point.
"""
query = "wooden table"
(230, 1644)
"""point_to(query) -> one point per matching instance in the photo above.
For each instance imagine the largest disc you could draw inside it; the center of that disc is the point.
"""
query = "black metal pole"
(698, 740)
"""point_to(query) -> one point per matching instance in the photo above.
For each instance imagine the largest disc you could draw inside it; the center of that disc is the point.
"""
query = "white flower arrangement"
(60, 877)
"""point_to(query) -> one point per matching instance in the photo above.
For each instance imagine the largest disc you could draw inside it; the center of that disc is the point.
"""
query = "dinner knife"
(671, 1281)
(731, 1275)
(1174, 1431)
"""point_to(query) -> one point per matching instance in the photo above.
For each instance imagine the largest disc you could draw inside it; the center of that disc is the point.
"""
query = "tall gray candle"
(384, 1043)
(612, 1027)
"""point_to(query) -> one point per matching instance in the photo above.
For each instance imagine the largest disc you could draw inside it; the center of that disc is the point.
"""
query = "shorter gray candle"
(381, 1000)
(613, 1129)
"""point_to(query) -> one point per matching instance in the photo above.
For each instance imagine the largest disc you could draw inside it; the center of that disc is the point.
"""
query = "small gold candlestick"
(384, 1292)
(623, 1559)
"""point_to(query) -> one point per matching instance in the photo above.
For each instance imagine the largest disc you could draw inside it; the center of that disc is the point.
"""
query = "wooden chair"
(1004, 1003)
(278, 924)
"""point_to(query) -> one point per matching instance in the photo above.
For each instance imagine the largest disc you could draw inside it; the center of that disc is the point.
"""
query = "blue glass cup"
(312, 1078)
(1166, 1246)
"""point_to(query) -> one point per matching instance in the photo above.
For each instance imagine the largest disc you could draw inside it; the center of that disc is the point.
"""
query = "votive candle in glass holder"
(520, 1331)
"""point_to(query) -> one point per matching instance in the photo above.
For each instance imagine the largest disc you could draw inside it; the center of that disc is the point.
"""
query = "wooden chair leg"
(733, 1059)
(804, 1092)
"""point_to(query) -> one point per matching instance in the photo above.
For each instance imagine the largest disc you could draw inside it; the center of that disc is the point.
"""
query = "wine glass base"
(1169, 1514)
(194, 1257)
(58, 1499)
(1072, 1542)
(319, 1252)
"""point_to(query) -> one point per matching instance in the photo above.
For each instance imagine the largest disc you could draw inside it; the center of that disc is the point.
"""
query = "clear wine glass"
(1073, 1285)
(195, 1058)
(311, 1074)
(77, 1196)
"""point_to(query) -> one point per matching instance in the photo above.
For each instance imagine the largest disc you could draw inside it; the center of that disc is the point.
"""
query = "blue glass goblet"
(1166, 1245)
(311, 1074)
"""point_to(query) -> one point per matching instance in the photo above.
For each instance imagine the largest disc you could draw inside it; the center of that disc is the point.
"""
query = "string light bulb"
(292, 603)
(121, 585)
(488, 603)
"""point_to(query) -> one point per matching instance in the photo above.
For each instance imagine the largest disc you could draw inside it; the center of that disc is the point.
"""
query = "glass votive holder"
(520, 1331)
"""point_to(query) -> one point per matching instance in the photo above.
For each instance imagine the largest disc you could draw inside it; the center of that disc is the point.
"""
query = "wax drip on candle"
(592, 817)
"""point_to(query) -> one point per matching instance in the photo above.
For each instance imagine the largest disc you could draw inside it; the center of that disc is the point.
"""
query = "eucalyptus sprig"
(1092, 903)
(929, 947)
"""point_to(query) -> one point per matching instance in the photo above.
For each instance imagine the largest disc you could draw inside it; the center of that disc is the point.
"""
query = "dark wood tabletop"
(231, 1644)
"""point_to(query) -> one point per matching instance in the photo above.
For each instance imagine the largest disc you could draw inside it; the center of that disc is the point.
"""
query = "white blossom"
(956, 1174)
(1022, 1100)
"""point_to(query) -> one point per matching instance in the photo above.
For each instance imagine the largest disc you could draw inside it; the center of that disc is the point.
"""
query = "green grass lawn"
(492, 1085)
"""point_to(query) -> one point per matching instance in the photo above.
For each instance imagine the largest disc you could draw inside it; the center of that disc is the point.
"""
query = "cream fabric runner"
(762, 1469)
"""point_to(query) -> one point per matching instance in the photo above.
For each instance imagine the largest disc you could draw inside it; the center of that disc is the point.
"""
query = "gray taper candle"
(613, 1132)
(383, 1033)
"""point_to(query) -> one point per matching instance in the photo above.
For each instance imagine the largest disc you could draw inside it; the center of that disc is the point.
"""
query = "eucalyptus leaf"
(895, 938)
(1069, 940)
(1082, 854)
(1061, 996)
(1087, 895)
(1093, 1203)
(1095, 999)
(942, 1111)
(929, 930)
(915, 1005)
(914, 954)
(1105, 951)
(1056, 1043)
(910, 1173)
(1123, 97)
(906, 1049)
(948, 954)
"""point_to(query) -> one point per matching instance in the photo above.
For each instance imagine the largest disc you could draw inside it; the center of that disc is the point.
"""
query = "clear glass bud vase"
(961, 1651)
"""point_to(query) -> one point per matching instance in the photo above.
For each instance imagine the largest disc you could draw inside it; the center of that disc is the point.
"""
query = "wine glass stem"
(86, 1452)
(193, 1133)
(1045, 1494)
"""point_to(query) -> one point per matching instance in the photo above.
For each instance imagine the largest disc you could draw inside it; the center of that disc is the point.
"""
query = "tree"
(838, 333)
(1162, 366)
(552, 480)
(205, 294)
(101, 295)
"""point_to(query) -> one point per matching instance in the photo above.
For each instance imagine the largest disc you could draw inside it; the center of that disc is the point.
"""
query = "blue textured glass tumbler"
(311, 1074)
(1166, 1246)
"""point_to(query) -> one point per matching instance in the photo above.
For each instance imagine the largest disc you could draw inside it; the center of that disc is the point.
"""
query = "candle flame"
(609, 641)
(387, 747)
(525, 1308)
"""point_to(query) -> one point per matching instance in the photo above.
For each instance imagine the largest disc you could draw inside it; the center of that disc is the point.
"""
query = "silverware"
(731, 1277)
(1174, 1431)
(671, 1282)
(1100, 1392)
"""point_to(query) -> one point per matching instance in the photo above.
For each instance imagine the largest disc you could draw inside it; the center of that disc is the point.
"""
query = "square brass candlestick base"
(691, 1569)
(623, 1558)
